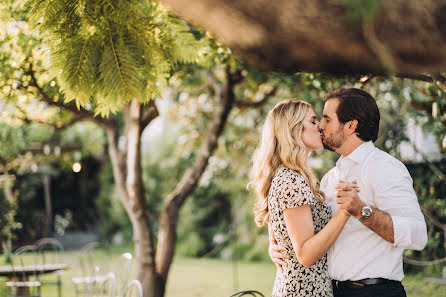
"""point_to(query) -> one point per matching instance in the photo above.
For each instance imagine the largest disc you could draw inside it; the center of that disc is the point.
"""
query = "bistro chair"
(86, 265)
(24, 281)
(132, 289)
(49, 251)
(247, 293)
(122, 269)
(102, 286)
(90, 282)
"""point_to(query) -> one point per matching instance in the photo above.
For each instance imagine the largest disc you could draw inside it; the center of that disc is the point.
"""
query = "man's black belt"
(361, 283)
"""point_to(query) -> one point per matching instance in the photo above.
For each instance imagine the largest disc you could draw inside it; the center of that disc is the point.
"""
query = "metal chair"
(247, 293)
(25, 279)
(102, 285)
(50, 251)
(90, 282)
(86, 265)
(132, 289)
(122, 269)
(104, 290)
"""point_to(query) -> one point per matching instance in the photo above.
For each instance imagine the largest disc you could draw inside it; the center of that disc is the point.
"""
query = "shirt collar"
(358, 154)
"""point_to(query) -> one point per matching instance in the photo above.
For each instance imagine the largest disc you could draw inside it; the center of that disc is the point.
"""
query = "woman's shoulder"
(289, 175)
(291, 188)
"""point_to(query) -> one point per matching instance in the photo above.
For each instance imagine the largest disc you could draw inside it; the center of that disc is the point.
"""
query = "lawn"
(210, 277)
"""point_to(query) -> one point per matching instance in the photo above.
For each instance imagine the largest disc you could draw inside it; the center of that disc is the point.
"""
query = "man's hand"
(348, 199)
(277, 254)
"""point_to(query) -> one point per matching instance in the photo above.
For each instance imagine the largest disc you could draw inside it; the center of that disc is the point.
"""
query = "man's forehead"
(331, 106)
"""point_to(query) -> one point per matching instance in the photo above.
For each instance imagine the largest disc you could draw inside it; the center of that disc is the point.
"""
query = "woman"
(290, 202)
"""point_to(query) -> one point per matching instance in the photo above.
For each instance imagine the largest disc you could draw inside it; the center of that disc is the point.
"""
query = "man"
(366, 259)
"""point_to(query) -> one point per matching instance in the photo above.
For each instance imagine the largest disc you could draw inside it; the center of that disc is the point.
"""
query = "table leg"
(20, 291)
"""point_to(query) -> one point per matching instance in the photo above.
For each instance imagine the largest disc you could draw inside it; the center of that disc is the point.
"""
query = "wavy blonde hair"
(281, 144)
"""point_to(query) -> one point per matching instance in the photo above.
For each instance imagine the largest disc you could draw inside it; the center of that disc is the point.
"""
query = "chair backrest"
(49, 250)
(24, 256)
(86, 258)
(247, 293)
(122, 269)
(92, 281)
(105, 286)
(132, 289)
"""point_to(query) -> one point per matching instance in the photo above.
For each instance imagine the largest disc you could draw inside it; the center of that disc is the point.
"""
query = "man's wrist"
(366, 213)
(358, 213)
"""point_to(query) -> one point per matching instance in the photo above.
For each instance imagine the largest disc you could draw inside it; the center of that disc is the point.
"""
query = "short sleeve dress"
(289, 190)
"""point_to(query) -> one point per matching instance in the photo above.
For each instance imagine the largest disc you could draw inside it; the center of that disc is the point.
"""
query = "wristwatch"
(366, 212)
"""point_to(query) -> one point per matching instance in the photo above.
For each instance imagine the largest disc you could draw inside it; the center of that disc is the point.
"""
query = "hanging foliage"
(107, 53)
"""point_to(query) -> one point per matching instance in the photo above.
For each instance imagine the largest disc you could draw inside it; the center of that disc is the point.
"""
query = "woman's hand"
(348, 199)
(277, 254)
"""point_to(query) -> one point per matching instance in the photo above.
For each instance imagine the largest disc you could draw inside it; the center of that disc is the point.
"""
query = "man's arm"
(276, 252)
(380, 222)
(397, 217)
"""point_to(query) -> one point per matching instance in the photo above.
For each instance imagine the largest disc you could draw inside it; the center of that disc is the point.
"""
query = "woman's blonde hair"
(281, 144)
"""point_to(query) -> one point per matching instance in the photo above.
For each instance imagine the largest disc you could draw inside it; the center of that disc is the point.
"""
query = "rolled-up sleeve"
(394, 194)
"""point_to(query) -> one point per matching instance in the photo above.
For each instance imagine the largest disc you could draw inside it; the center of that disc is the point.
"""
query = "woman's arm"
(310, 247)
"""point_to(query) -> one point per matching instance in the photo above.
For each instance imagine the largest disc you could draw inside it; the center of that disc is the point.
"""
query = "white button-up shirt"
(385, 184)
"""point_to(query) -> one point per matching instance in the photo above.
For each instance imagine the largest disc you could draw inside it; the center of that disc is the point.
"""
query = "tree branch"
(150, 113)
(191, 177)
(218, 87)
(420, 77)
(259, 33)
(74, 119)
(85, 114)
(377, 47)
(439, 81)
(432, 219)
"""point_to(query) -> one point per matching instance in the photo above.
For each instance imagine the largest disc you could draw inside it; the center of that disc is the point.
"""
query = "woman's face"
(311, 135)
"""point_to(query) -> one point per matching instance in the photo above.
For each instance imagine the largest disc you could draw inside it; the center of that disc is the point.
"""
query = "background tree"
(104, 64)
(103, 52)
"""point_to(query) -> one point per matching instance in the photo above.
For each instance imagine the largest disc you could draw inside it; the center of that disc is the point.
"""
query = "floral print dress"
(289, 190)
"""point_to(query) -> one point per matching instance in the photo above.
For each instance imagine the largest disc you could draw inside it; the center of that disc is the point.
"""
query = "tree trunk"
(7, 189)
(128, 177)
(47, 232)
(169, 217)
(399, 36)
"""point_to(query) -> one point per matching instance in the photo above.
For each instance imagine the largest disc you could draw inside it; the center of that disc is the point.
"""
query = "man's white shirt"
(385, 184)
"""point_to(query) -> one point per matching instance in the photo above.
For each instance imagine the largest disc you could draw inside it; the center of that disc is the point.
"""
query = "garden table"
(21, 273)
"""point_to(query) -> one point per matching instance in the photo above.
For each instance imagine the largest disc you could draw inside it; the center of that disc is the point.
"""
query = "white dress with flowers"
(289, 190)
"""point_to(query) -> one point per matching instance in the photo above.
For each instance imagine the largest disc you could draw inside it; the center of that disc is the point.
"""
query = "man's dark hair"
(356, 104)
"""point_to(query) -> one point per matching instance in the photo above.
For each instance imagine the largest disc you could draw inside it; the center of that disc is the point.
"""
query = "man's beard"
(335, 141)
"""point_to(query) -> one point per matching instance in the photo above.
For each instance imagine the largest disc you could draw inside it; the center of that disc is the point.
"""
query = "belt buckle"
(357, 284)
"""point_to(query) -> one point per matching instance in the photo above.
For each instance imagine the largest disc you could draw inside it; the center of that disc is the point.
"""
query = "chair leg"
(59, 286)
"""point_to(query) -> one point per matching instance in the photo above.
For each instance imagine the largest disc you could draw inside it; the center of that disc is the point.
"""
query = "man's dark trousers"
(389, 289)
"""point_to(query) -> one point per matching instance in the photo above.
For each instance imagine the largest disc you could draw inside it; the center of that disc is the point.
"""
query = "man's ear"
(351, 126)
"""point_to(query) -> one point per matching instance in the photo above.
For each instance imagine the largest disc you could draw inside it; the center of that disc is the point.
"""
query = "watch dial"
(367, 211)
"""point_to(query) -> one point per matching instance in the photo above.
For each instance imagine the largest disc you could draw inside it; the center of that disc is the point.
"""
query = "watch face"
(366, 211)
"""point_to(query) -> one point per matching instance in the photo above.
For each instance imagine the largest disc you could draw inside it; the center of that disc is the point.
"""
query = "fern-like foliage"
(108, 52)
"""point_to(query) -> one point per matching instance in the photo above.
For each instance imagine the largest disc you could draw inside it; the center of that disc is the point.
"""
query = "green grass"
(210, 277)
